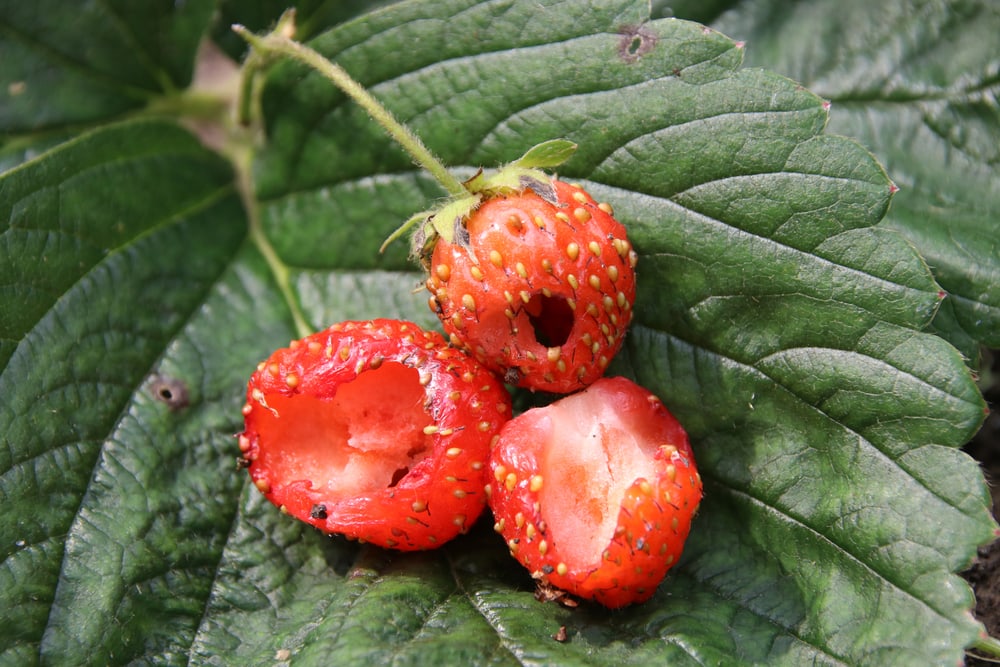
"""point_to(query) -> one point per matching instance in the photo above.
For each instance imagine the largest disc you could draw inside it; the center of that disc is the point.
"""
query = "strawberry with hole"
(376, 430)
(530, 274)
(540, 286)
(595, 493)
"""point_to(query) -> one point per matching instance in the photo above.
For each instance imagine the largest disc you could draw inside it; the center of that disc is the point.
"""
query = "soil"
(984, 575)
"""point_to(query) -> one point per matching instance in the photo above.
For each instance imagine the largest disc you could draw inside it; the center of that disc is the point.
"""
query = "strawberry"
(376, 430)
(595, 493)
(538, 285)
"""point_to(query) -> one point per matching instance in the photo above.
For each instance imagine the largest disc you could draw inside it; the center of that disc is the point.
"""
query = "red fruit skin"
(461, 404)
(654, 518)
(563, 273)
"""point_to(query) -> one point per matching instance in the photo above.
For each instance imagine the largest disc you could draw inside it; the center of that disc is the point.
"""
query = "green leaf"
(67, 64)
(777, 317)
(918, 85)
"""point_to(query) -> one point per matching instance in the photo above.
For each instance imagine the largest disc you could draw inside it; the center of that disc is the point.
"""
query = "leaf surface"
(918, 84)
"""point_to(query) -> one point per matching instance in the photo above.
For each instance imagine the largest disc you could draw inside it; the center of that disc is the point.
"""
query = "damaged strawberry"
(376, 430)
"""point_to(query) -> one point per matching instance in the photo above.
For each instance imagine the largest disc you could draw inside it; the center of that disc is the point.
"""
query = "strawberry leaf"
(918, 86)
(785, 299)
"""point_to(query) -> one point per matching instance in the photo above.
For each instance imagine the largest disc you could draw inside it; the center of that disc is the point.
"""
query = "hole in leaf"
(170, 391)
(552, 319)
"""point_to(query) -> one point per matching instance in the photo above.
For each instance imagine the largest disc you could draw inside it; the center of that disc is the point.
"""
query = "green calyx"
(448, 220)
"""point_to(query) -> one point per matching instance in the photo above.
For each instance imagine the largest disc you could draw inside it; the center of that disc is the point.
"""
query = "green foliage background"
(815, 330)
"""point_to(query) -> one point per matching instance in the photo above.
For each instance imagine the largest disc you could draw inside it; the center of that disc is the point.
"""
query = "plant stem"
(989, 646)
(277, 43)
(244, 179)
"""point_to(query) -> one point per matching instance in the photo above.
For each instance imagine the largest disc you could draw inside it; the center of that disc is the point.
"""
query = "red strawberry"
(539, 286)
(595, 493)
(376, 430)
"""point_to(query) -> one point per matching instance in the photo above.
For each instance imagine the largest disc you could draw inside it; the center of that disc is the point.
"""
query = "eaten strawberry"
(376, 430)
(539, 285)
(596, 492)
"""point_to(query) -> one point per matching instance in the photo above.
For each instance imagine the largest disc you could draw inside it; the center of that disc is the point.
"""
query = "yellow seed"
(613, 273)
(452, 452)
(595, 248)
(671, 472)
(592, 309)
(261, 366)
(621, 299)
(359, 367)
(496, 259)
(443, 272)
(633, 258)
(602, 361)
(519, 519)
(476, 273)
(484, 426)
(510, 481)
(594, 281)
(459, 493)
(292, 380)
(561, 365)
(553, 354)
(247, 409)
(543, 547)
(606, 207)
(646, 487)
(459, 520)
(262, 485)
(476, 465)
(547, 265)
(581, 214)
(510, 297)
(562, 216)
(419, 506)
(468, 302)
(499, 473)
(561, 569)
(529, 532)
(674, 524)
(344, 353)
(573, 251)
(315, 347)
(525, 296)
(539, 222)
(571, 279)
(273, 369)
(535, 485)
(571, 303)
(512, 545)
(514, 222)
(521, 271)
(580, 197)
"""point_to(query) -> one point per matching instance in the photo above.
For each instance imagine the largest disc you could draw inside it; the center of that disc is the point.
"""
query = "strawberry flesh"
(353, 443)
(596, 492)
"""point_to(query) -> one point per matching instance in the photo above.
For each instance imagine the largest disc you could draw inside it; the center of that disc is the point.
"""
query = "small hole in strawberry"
(552, 319)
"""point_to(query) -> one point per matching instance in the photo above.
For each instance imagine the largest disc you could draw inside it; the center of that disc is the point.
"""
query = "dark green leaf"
(71, 63)
(918, 84)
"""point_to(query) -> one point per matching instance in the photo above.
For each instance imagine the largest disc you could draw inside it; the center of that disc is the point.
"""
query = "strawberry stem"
(278, 42)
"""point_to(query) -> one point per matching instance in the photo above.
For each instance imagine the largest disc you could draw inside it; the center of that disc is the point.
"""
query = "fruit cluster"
(397, 436)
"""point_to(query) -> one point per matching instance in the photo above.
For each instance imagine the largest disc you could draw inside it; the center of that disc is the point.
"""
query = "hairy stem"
(277, 43)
